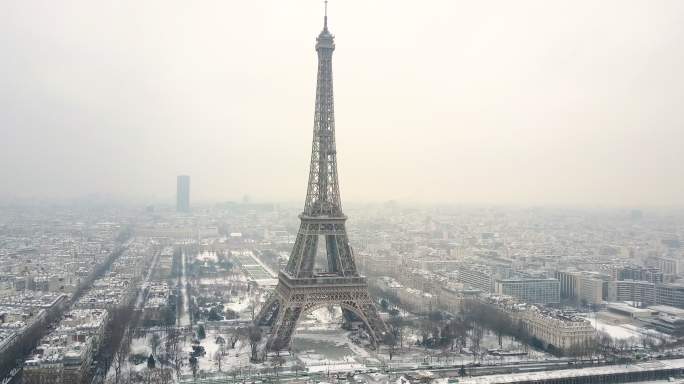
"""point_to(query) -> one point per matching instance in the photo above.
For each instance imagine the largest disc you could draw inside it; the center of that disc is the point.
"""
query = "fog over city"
(341, 191)
(523, 102)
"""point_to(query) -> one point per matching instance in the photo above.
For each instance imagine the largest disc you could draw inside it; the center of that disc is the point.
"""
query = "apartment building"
(560, 329)
(477, 276)
(533, 291)
(638, 292)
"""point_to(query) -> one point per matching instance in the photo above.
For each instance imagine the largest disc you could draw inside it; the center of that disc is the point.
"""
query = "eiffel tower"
(301, 287)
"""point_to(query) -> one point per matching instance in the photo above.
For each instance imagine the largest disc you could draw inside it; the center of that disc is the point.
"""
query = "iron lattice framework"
(302, 288)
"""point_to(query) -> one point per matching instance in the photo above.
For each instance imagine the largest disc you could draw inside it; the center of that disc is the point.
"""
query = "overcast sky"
(529, 102)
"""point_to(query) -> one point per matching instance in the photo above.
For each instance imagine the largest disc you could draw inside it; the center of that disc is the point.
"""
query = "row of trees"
(117, 341)
(466, 329)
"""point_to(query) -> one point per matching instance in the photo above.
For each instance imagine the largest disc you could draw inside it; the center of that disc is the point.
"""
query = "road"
(451, 371)
(142, 294)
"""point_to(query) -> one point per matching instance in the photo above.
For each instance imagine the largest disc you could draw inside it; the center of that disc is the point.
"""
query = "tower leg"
(281, 316)
(269, 311)
(283, 328)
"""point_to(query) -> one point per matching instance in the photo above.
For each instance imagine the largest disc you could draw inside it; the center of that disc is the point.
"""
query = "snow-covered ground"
(321, 344)
(240, 305)
(629, 332)
(617, 332)
(207, 255)
(231, 359)
(140, 346)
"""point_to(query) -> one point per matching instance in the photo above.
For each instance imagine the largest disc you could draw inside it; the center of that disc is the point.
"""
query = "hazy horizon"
(531, 102)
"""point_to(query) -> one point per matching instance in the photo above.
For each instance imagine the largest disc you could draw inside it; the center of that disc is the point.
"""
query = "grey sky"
(569, 102)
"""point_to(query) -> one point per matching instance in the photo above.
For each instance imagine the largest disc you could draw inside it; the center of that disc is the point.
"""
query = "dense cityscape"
(147, 294)
(99, 290)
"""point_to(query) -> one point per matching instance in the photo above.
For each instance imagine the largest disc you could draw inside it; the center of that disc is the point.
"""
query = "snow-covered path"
(184, 318)
(261, 263)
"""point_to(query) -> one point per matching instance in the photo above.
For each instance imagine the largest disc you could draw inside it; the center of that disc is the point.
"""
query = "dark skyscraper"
(183, 193)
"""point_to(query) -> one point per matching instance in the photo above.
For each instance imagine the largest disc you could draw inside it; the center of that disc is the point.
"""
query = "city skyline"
(532, 103)
(492, 241)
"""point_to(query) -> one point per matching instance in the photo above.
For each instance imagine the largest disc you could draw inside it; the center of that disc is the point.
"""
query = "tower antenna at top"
(325, 15)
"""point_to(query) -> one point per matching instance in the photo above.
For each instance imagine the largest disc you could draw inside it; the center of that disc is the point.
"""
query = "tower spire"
(325, 16)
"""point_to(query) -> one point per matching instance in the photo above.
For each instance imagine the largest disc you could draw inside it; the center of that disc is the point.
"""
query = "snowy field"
(628, 332)
(618, 332)
(207, 256)
(240, 305)
(322, 345)
(231, 359)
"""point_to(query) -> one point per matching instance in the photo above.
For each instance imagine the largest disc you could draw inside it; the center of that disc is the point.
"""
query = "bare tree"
(254, 336)
(252, 308)
(297, 367)
(390, 341)
(460, 333)
(476, 337)
(218, 358)
(234, 373)
(121, 353)
(155, 341)
(174, 351)
(171, 340)
(234, 337)
(221, 342)
(278, 362)
(424, 333)
(398, 325)
(194, 365)
(605, 342)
